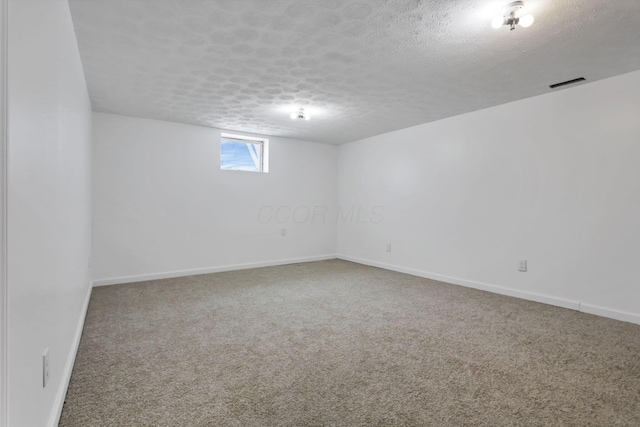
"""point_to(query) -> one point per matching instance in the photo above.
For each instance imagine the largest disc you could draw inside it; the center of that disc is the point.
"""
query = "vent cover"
(568, 82)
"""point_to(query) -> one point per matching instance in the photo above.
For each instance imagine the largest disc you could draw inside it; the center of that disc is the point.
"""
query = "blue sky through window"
(240, 155)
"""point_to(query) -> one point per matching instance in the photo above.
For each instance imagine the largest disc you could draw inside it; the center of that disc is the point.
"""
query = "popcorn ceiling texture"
(361, 68)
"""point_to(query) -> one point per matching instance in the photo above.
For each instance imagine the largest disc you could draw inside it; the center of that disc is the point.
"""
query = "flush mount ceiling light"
(511, 17)
(300, 115)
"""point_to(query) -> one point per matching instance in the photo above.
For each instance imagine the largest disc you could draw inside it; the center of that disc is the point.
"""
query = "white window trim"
(265, 149)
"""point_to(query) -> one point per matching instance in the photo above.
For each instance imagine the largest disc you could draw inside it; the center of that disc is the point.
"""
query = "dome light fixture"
(510, 16)
(300, 115)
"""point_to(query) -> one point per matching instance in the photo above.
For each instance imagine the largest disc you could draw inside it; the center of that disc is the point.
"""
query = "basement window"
(244, 153)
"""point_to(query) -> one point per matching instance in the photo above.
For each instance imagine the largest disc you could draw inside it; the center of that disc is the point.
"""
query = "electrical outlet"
(45, 367)
(283, 232)
(388, 247)
(522, 265)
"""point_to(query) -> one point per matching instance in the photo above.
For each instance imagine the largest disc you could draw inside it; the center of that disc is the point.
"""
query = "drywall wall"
(49, 206)
(4, 19)
(552, 179)
(163, 207)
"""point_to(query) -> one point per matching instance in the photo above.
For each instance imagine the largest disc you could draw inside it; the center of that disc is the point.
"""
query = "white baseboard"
(196, 271)
(610, 313)
(545, 299)
(531, 296)
(68, 369)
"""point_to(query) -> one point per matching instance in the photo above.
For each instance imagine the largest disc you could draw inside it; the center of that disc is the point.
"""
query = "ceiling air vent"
(568, 82)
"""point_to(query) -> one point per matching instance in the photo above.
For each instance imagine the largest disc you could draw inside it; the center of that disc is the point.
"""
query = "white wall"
(49, 206)
(4, 19)
(553, 179)
(162, 206)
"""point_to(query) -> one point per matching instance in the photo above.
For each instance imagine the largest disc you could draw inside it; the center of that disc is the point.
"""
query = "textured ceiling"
(360, 67)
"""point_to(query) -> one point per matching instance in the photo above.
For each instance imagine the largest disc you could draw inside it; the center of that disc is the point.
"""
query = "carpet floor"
(333, 343)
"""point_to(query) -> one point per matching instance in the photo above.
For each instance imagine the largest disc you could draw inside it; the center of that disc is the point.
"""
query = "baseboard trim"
(68, 369)
(531, 296)
(196, 271)
(610, 313)
(541, 298)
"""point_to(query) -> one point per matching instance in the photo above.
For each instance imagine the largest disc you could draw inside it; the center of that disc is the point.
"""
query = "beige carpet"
(334, 343)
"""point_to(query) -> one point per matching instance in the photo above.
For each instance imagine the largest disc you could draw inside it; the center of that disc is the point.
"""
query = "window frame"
(263, 142)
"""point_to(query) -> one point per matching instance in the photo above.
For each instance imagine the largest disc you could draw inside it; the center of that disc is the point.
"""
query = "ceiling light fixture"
(300, 115)
(510, 16)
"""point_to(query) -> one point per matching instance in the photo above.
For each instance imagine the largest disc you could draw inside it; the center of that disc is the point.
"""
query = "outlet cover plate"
(45, 367)
(522, 265)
